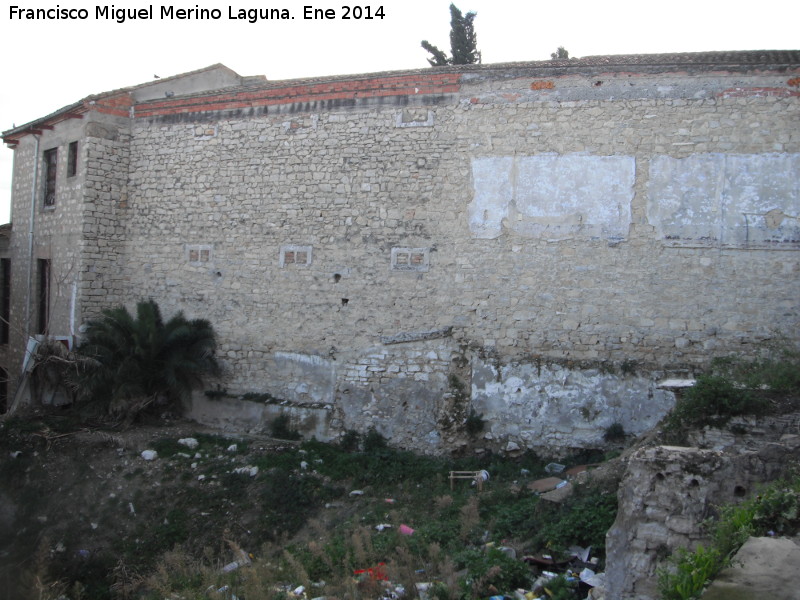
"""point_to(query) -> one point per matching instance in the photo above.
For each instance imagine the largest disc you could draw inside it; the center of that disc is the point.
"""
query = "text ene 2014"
(347, 12)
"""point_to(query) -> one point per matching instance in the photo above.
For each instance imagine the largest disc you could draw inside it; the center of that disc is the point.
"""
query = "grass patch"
(736, 387)
(776, 510)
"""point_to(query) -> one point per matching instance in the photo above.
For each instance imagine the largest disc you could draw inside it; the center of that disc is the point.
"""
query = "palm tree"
(131, 364)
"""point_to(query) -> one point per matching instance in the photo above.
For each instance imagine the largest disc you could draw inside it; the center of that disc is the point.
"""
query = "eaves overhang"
(12, 136)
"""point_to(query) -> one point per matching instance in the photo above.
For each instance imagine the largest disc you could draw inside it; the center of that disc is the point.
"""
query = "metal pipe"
(34, 186)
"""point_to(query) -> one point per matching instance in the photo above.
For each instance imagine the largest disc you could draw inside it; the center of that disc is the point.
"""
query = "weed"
(264, 397)
(474, 422)
(735, 386)
(776, 509)
(374, 441)
(628, 366)
(350, 441)
(492, 569)
(281, 428)
(561, 588)
(514, 515)
(692, 572)
(614, 433)
(582, 520)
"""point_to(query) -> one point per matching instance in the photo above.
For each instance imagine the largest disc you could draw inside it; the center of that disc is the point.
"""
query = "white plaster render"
(730, 200)
(553, 406)
(552, 197)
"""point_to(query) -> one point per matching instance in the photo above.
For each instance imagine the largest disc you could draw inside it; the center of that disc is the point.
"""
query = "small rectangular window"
(295, 255)
(5, 299)
(410, 259)
(72, 160)
(44, 295)
(50, 169)
(199, 255)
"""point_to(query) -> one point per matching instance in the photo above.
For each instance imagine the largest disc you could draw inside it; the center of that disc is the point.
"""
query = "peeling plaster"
(727, 200)
(312, 377)
(552, 406)
(552, 196)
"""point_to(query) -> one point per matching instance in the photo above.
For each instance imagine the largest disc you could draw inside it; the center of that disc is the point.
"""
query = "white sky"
(45, 65)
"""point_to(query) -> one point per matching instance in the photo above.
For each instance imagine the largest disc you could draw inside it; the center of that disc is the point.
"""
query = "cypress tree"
(463, 41)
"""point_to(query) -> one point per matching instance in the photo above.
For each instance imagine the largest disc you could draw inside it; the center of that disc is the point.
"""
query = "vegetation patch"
(736, 387)
(310, 514)
(774, 511)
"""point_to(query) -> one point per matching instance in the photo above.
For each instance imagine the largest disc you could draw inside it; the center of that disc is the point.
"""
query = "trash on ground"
(242, 558)
(405, 530)
(190, 442)
(581, 554)
(149, 454)
(232, 566)
(422, 590)
(383, 526)
(376, 573)
(545, 485)
(357, 493)
(508, 551)
(554, 468)
(545, 560)
(593, 579)
(578, 469)
(562, 491)
(475, 477)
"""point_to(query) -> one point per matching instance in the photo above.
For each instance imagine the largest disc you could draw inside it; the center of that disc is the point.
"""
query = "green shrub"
(560, 588)
(374, 441)
(776, 510)
(692, 572)
(129, 365)
(582, 520)
(350, 441)
(493, 568)
(733, 387)
(474, 423)
(281, 428)
(614, 433)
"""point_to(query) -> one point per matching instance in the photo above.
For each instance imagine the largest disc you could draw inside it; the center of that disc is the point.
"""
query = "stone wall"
(104, 215)
(553, 238)
(668, 492)
(54, 237)
(547, 225)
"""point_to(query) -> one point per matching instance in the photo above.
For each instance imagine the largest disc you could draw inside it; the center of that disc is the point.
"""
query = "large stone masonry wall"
(104, 214)
(56, 231)
(529, 215)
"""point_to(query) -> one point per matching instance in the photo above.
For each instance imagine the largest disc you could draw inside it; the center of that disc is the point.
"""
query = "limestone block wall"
(645, 220)
(668, 492)
(104, 214)
(56, 232)
(536, 243)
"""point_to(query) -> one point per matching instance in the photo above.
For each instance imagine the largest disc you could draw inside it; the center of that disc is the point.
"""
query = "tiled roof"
(740, 60)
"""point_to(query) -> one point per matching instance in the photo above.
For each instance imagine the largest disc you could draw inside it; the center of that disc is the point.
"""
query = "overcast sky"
(46, 65)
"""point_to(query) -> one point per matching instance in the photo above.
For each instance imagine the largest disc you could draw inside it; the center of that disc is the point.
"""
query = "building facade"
(537, 244)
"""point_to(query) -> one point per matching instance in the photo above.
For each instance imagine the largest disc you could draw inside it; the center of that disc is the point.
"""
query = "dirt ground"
(73, 500)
